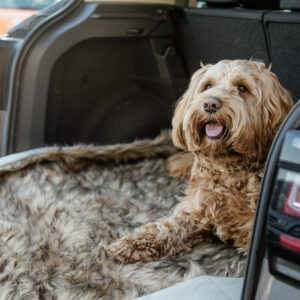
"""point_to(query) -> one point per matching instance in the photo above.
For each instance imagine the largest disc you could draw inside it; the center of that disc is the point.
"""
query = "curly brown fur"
(227, 118)
(180, 165)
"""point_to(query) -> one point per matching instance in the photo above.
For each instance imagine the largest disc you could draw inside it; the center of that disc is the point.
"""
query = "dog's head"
(233, 106)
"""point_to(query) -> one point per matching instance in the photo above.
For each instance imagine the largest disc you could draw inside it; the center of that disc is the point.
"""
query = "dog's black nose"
(212, 105)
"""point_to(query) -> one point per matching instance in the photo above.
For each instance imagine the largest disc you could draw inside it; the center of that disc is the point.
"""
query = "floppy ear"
(178, 135)
(274, 103)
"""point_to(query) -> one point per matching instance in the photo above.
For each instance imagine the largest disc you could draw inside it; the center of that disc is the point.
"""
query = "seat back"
(212, 33)
(282, 28)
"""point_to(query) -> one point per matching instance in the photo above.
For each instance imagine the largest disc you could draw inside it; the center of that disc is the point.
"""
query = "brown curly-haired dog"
(227, 119)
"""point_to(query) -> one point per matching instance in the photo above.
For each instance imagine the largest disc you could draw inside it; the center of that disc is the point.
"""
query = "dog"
(226, 122)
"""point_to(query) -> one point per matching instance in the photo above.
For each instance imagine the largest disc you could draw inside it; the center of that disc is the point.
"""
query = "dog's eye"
(242, 89)
(208, 86)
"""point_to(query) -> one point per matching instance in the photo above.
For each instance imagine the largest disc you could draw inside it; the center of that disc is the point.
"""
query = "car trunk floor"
(62, 207)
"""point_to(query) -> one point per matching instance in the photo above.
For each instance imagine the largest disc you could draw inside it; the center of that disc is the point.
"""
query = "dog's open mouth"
(214, 130)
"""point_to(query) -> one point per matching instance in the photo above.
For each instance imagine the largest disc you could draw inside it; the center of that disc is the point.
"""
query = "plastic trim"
(257, 246)
(21, 50)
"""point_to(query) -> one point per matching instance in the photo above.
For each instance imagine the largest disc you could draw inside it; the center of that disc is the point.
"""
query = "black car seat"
(282, 28)
(224, 29)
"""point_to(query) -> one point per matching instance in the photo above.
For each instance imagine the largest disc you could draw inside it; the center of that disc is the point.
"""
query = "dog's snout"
(212, 105)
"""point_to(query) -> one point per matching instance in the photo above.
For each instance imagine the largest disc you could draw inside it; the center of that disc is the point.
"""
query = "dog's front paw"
(128, 250)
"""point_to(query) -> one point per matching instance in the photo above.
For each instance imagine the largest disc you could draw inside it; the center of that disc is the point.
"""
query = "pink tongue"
(213, 129)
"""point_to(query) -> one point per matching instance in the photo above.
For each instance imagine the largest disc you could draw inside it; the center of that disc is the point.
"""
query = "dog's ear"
(178, 135)
(274, 103)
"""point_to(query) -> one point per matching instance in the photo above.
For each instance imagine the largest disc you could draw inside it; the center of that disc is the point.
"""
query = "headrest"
(290, 4)
(261, 4)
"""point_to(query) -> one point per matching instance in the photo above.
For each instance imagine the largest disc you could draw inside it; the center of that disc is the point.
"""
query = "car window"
(26, 4)
(12, 12)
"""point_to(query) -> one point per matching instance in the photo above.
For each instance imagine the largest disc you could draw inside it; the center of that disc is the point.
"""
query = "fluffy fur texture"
(227, 119)
(60, 210)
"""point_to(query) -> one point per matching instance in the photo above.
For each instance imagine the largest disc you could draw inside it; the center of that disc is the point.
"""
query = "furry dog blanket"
(60, 209)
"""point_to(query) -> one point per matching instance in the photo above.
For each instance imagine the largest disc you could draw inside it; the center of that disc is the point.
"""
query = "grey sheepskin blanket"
(60, 209)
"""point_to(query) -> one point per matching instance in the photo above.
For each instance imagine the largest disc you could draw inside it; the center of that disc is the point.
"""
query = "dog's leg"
(243, 235)
(180, 165)
(238, 229)
(164, 238)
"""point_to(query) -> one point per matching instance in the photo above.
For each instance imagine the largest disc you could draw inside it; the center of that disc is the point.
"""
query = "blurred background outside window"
(12, 12)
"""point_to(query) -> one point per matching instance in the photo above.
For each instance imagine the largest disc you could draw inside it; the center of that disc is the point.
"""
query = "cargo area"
(112, 73)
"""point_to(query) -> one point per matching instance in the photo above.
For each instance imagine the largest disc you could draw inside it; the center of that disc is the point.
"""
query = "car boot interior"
(111, 72)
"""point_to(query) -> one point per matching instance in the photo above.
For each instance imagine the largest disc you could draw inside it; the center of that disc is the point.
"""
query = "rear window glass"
(26, 4)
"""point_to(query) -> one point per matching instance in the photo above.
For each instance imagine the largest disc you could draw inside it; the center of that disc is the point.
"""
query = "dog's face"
(231, 107)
